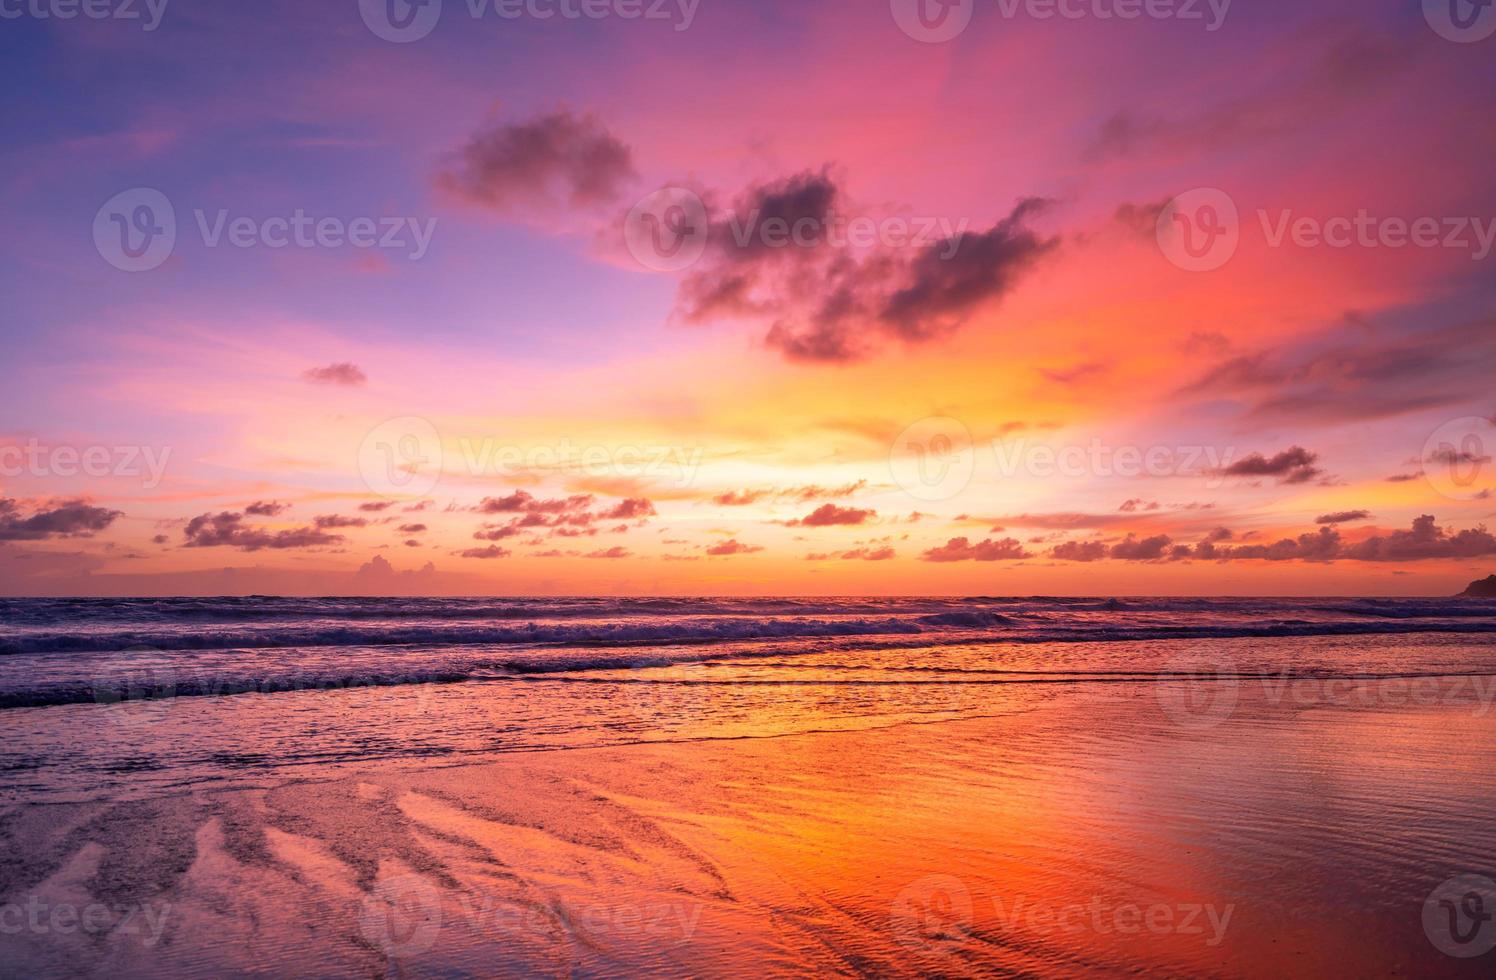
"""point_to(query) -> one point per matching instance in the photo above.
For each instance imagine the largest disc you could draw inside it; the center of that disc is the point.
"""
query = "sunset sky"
(1006, 353)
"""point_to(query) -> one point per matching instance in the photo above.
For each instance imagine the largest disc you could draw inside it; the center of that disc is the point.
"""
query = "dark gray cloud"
(1343, 517)
(566, 517)
(1346, 375)
(1456, 458)
(345, 374)
(829, 515)
(524, 502)
(1353, 62)
(961, 549)
(942, 291)
(64, 519)
(805, 494)
(883, 553)
(554, 160)
(1147, 549)
(630, 509)
(228, 530)
(1141, 219)
(1424, 541)
(328, 522)
(492, 551)
(732, 546)
(740, 498)
(824, 303)
(1085, 551)
(1293, 465)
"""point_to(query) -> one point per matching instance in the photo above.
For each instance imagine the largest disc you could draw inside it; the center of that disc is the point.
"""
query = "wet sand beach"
(1111, 830)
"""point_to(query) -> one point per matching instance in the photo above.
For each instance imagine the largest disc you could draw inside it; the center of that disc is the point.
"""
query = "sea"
(121, 698)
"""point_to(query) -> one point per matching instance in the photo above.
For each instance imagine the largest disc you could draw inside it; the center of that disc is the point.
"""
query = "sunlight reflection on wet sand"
(1079, 835)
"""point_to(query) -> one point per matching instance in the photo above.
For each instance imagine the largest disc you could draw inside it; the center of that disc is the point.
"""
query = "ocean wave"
(139, 691)
(56, 648)
(266, 609)
(972, 618)
(243, 609)
(962, 625)
(322, 634)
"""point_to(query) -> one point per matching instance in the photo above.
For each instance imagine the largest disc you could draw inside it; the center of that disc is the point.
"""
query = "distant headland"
(1484, 588)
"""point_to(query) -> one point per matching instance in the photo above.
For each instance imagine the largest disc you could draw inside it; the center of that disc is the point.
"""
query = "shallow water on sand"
(962, 797)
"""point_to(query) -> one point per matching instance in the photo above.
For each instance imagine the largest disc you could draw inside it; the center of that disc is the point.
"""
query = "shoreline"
(955, 847)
